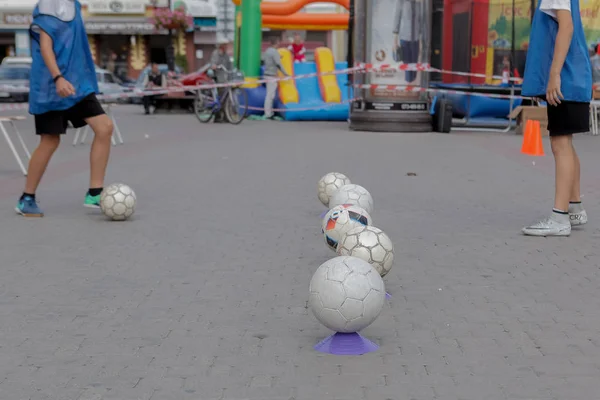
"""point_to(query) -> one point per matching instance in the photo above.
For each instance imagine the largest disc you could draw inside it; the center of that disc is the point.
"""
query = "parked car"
(196, 78)
(109, 84)
(16, 60)
(13, 78)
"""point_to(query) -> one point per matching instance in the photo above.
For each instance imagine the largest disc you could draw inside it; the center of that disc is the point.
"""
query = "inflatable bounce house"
(318, 98)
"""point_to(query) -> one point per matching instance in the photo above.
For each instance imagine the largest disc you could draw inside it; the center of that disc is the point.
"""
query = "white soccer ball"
(352, 194)
(370, 244)
(328, 184)
(117, 202)
(341, 219)
(346, 294)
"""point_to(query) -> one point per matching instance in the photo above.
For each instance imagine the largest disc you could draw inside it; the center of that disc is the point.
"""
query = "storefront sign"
(127, 28)
(198, 8)
(116, 6)
(17, 19)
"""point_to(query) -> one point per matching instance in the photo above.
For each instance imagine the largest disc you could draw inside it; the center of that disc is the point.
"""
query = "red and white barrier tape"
(424, 67)
(177, 87)
(358, 68)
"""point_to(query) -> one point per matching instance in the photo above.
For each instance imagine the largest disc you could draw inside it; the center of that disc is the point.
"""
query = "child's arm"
(63, 87)
(561, 11)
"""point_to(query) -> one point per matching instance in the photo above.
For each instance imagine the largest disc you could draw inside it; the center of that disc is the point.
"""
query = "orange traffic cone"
(532, 139)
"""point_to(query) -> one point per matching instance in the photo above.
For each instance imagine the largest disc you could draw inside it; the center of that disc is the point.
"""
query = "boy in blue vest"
(558, 70)
(63, 89)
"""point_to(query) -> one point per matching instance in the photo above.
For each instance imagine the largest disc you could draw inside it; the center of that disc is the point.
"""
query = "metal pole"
(512, 41)
(170, 49)
(532, 10)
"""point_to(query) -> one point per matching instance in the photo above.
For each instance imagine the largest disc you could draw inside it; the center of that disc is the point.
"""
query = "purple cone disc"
(346, 344)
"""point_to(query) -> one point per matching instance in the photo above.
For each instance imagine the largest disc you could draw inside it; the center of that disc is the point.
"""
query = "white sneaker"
(554, 225)
(578, 218)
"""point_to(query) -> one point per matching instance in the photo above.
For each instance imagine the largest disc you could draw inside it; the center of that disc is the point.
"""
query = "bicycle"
(233, 101)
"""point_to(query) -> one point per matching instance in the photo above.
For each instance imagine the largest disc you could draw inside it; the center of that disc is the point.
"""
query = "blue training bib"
(576, 74)
(74, 59)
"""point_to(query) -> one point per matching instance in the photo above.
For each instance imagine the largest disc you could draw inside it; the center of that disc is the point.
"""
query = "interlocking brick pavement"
(203, 294)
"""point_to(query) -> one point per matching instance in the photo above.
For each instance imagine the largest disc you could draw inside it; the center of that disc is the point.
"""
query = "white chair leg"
(12, 148)
(118, 131)
(84, 135)
(25, 149)
(76, 138)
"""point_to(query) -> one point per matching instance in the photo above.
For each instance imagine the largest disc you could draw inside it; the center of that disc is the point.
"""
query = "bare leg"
(39, 161)
(565, 161)
(576, 193)
(103, 127)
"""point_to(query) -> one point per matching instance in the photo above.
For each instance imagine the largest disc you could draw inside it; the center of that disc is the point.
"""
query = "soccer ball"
(329, 183)
(352, 194)
(346, 294)
(341, 219)
(117, 202)
(370, 244)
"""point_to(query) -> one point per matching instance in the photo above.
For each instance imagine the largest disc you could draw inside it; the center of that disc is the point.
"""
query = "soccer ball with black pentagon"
(118, 201)
(352, 194)
(370, 244)
(328, 184)
(341, 219)
(346, 294)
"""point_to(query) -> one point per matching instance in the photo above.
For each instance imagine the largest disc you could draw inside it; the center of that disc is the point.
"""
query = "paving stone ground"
(202, 295)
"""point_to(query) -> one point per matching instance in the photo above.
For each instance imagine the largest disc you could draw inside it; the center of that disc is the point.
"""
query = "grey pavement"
(203, 294)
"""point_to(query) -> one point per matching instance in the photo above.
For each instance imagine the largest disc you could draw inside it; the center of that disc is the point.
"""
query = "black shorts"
(568, 117)
(56, 122)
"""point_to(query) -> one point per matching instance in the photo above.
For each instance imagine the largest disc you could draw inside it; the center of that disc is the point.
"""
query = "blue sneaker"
(28, 207)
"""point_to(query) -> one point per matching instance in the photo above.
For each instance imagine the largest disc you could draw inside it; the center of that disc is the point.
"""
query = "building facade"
(123, 39)
(120, 32)
(15, 18)
(209, 26)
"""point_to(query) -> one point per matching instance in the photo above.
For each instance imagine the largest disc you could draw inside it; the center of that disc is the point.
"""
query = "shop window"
(158, 48)
(113, 52)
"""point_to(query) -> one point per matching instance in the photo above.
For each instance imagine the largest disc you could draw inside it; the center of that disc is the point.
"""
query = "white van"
(16, 60)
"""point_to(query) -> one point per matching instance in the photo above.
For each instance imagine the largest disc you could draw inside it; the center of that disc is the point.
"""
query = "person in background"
(220, 59)
(298, 49)
(407, 32)
(110, 63)
(505, 70)
(272, 64)
(155, 79)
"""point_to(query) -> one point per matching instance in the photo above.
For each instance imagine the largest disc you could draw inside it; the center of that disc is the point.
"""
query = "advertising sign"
(500, 30)
(396, 33)
(198, 8)
(116, 6)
